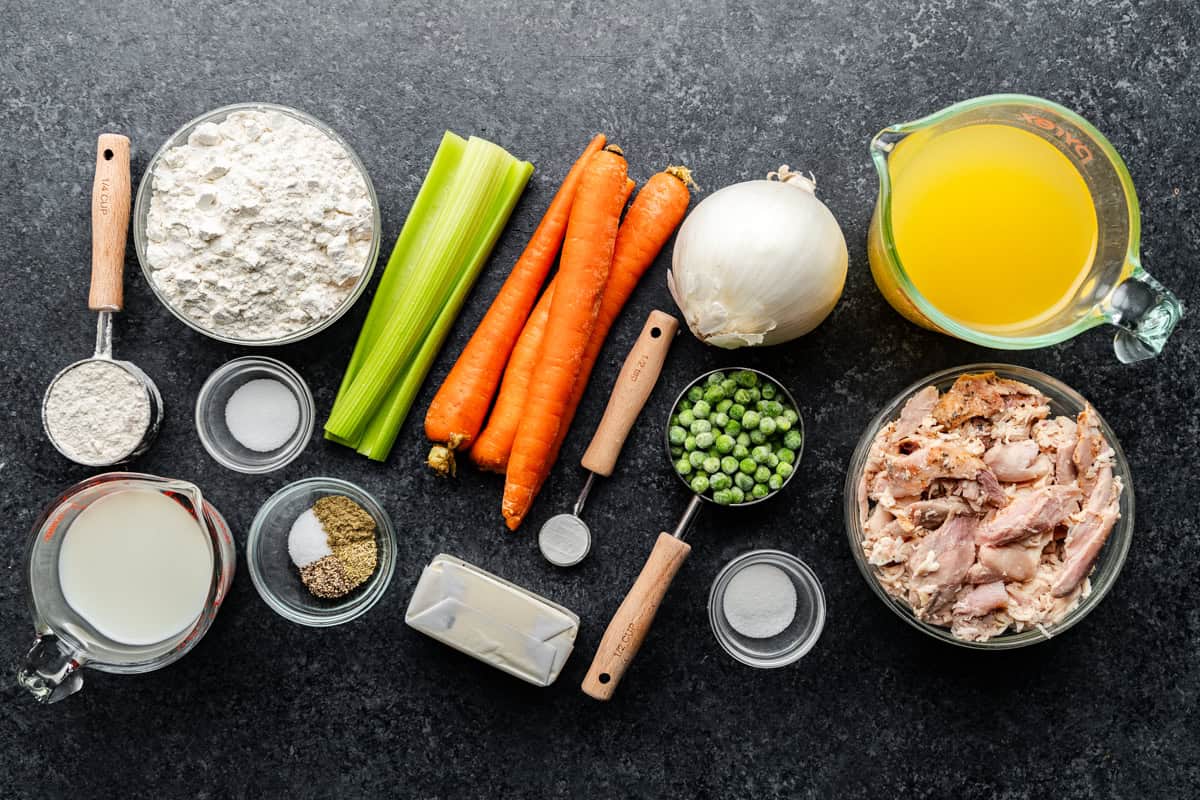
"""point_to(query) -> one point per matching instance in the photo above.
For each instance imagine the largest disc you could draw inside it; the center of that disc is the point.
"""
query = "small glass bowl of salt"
(767, 608)
(255, 415)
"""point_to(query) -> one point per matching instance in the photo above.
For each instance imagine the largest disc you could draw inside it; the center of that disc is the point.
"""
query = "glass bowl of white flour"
(256, 224)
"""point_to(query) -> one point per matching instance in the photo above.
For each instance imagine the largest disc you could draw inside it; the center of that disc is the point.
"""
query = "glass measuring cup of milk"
(118, 610)
(1029, 191)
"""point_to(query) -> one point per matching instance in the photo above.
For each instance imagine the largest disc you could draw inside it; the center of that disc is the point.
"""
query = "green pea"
(736, 410)
(689, 443)
(719, 419)
(711, 465)
(714, 378)
(768, 390)
(755, 394)
(700, 426)
(733, 427)
(720, 481)
(704, 439)
(686, 417)
(760, 454)
(762, 406)
(767, 425)
(737, 494)
(740, 451)
(793, 440)
(700, 484)
(696, 458)
(743, 481)
(750, 420)
(724, 405)
(772, 461)
(729, 465)
(783, 424)
(747, 465)
(746, 378)
(784, 470)
(723, 497)
(676, 435)
(742, 397)
(757, 437)
(774, 483)
(683, 467)
(774, 408)
(725, 444)
(695, 393)
(762, 474)
(729, 386)
(714, 395)
(785, 456)
(676, 452)
(674, 420)
(791, 415)
(759, 491)
(701, 410)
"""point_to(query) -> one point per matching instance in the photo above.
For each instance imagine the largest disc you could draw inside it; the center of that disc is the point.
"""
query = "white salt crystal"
(307, 541)
(760, 601)
(262, 414)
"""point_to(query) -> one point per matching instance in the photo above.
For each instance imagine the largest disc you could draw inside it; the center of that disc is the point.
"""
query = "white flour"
(259, 226)
(97, 413)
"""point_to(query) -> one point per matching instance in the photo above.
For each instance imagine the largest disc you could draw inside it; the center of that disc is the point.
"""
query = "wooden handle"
(625, 634)
(110, 222)
(634, 384)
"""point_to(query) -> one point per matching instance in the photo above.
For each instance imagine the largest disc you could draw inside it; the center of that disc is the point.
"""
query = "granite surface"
(265, 708)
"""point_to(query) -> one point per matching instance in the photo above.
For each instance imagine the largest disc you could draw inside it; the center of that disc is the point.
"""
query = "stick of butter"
(493, 620)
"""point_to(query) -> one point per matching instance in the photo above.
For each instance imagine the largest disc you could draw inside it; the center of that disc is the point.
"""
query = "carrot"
(461, 403)
(490, 450)
(492, 447)
(657, 211)
(586, 259)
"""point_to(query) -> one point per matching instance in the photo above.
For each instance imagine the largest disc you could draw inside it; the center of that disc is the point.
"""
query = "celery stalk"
(438, 257)
(376, 443)
(400, 266)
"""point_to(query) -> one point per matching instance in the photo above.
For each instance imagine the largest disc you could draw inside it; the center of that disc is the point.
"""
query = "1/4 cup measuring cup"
(628, 628)
(66, 641)
(1115, 290)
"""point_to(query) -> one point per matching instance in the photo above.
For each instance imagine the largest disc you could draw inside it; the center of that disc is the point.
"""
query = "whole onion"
(758, 263)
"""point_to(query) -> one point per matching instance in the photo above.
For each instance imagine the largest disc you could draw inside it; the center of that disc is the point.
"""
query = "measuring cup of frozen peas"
(125, 572)
(1011, 222)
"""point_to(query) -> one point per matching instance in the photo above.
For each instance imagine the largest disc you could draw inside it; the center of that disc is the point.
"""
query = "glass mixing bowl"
(141, 210)
(1063, 401)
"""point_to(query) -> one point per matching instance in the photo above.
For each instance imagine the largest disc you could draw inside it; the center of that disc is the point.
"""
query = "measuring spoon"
(110, 226)
(565, 539)
(629, 626)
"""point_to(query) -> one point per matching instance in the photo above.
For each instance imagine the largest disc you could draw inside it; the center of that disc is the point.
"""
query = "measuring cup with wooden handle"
(565, 538)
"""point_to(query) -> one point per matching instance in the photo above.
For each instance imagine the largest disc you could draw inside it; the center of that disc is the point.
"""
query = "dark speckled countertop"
(264, 708)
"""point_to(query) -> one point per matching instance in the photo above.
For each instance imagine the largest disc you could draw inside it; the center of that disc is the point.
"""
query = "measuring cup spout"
(1146, 313)
(51, 670)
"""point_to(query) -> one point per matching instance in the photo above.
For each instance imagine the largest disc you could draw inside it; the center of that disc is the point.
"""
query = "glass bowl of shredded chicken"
(989, 506)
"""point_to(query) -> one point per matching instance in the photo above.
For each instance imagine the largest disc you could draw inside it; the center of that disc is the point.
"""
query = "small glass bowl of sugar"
(255, 415)
(767, 608)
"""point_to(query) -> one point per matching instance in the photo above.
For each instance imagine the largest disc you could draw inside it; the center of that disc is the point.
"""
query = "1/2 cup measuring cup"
(1115, 290)
(66, 641)
(628, 628)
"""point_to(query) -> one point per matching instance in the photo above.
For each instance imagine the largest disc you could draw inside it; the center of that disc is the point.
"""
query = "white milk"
(136, 566)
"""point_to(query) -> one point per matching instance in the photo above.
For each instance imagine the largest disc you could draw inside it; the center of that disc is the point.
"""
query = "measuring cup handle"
(51, 670)
(1146, 312)
(638, 375)
(629, 626)
(110, 222)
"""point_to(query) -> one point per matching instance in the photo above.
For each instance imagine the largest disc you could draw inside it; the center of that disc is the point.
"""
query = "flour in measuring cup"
(259, 226)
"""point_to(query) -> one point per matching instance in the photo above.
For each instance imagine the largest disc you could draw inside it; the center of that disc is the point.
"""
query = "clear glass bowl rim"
(368, 595)
(1112, 557)
(141, 209)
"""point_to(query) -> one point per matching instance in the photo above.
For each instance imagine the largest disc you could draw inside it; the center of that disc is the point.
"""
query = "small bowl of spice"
(255, 415)
(321, 551)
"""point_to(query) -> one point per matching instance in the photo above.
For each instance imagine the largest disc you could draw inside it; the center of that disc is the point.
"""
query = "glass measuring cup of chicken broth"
(125, 574)
(1011, 222)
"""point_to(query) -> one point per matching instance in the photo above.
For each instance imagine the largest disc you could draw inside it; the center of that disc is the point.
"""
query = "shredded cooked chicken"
(984, 514)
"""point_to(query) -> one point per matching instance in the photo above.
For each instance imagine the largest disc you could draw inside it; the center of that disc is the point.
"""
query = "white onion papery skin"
(758, 263)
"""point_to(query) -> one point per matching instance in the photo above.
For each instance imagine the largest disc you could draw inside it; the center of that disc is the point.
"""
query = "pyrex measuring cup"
(66, 642)
(630, 624)
(1116, 290)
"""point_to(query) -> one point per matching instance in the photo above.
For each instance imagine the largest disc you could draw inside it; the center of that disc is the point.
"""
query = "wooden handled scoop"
(565, 538)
